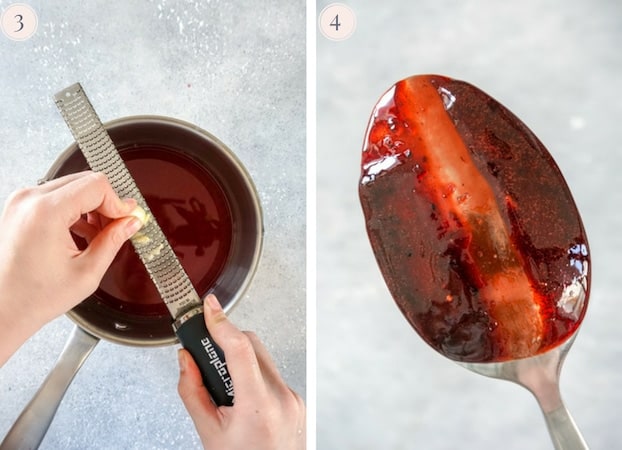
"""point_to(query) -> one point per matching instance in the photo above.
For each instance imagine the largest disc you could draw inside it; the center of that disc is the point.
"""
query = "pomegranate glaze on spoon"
(475, 230)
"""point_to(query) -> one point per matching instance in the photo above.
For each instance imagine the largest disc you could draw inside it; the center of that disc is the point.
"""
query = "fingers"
(194, 395)
(78, 194)
(85, 230)
(239, 353)
(52, 185)
(291, 402)
(266, 364)
(107, 243)
(89, 194)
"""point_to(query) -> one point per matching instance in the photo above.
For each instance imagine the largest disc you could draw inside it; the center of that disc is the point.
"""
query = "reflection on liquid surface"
(193, 213)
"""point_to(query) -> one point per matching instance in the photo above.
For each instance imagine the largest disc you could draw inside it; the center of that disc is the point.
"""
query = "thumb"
(107, 243)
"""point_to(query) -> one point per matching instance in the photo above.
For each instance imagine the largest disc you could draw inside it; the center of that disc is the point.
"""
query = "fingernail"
(129, 204)
(213, 303)
(140, 214)
(132, 226)
(181, 356)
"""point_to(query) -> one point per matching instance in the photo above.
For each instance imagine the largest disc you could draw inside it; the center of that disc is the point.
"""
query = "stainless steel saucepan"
(96, 319)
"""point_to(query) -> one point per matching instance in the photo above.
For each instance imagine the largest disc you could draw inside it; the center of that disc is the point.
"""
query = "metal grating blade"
(150, 243)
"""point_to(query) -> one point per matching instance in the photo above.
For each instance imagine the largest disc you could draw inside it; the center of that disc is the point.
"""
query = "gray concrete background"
(236, 71)
(558, 66)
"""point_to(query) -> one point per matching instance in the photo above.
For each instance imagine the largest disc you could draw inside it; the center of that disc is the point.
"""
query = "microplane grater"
(151, 245)
(165, 270)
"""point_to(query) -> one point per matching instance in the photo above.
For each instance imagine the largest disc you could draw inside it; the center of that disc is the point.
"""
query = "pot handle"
(30, 427)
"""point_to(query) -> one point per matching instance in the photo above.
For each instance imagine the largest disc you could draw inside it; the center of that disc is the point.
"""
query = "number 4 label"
(337, 22)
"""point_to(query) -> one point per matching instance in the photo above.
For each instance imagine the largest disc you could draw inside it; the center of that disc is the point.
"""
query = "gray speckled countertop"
(233, 69)
(555, 64)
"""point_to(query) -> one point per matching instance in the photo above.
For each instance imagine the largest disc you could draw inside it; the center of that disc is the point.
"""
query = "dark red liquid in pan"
(472, 224)
(194, 214)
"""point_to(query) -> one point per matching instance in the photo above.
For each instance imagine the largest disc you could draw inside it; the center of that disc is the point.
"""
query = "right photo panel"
(467, 225)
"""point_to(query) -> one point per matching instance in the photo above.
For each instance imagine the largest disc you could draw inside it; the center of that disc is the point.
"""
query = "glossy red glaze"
(472, 224)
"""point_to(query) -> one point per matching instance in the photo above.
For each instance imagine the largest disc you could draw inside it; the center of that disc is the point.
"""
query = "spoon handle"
(564, 432)
(540, 375)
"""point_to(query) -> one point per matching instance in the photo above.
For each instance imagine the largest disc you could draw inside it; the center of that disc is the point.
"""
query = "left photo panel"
(153, 226)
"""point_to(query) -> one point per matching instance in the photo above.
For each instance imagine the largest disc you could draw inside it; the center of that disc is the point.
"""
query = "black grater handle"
(193, 335)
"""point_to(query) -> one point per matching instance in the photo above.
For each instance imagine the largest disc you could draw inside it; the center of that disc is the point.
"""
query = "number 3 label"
(18, 22)
(337, 22)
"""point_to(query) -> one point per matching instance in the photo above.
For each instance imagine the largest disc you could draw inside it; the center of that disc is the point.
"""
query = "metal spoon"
(477, 236)
(540, 375)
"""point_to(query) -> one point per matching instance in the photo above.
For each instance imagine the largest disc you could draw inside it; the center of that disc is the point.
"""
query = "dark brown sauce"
(193, 212)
